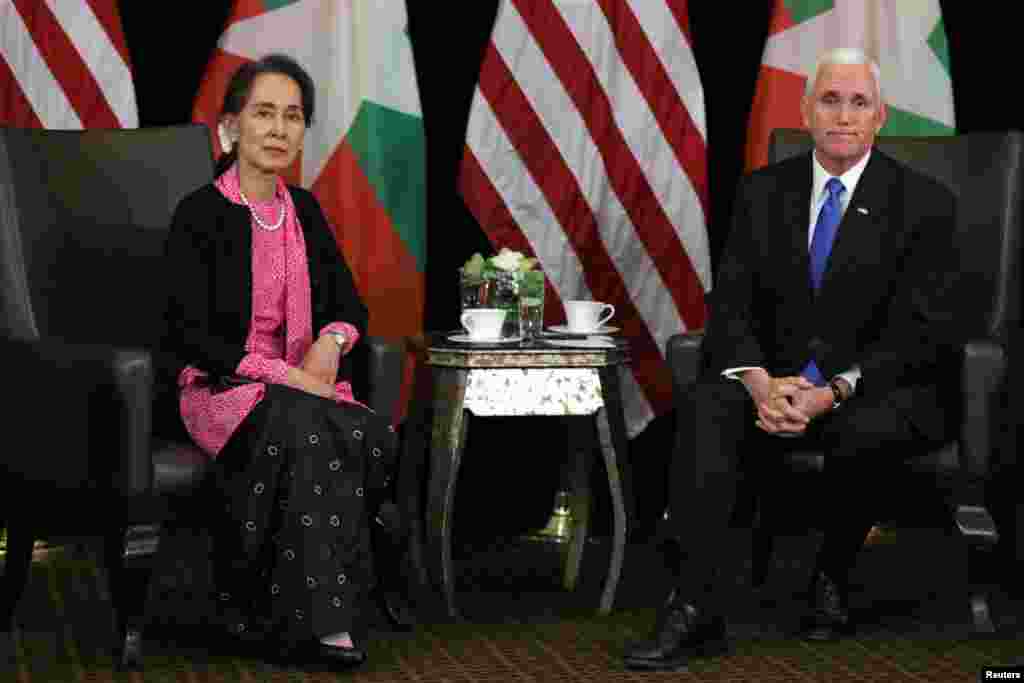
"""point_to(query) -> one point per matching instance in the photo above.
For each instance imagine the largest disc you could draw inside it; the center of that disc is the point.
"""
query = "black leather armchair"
(94, 448)
(985, 170)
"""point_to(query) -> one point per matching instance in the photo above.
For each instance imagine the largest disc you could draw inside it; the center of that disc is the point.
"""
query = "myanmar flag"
(364, 155)
(905, 37)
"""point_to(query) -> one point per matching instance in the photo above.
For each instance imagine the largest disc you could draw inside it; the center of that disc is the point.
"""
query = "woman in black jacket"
(262, 316)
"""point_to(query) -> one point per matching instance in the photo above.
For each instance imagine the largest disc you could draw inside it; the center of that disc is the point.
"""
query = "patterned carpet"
(518, 625)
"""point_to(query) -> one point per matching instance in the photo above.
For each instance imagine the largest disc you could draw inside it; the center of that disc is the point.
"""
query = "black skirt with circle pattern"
(299, 480)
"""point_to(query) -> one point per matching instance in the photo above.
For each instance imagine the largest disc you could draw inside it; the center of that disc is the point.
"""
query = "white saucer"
(564, 329)
(466, 339)
(584, 343)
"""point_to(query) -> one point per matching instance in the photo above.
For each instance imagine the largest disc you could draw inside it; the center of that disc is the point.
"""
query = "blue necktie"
(821, 246)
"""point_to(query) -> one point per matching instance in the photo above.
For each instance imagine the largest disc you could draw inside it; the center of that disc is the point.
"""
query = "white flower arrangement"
(505, 261)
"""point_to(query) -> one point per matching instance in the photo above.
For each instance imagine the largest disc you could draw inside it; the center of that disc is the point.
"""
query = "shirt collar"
(849, 179)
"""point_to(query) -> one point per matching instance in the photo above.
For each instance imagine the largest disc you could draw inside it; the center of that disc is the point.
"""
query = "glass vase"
(471, 288)
(494, 289)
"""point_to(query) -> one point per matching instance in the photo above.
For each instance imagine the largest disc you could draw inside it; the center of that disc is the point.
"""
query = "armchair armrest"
(377, 378)
(982, 373)
(683, 352)
(134, 374)
(72, 394)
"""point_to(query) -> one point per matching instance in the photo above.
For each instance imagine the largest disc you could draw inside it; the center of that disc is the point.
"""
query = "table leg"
(611, 430)
(448, 437)
(581, 447)
(611, 394)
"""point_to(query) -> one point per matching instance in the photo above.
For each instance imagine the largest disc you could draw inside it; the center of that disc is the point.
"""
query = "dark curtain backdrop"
(169, 51)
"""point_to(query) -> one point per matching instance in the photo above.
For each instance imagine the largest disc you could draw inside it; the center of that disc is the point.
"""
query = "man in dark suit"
(830, 324)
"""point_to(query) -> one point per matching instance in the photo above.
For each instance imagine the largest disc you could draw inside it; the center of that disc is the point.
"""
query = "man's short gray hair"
(845, 55)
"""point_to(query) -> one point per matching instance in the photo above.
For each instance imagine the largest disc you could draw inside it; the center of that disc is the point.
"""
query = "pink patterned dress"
(211, 418)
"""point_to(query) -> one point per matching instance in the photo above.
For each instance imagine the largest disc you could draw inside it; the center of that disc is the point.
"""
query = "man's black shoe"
(682, 631)
(829, 615)
(335, 657)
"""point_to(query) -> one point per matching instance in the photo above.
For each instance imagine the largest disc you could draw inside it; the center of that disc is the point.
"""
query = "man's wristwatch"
(838, 395)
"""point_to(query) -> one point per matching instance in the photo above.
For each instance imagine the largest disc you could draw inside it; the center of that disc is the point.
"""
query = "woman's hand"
(322, 359)
(305, 381)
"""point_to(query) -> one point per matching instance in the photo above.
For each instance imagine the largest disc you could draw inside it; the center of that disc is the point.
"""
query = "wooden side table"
(538, 379)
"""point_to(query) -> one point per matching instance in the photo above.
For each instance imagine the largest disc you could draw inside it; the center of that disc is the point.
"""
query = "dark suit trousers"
(719, 440)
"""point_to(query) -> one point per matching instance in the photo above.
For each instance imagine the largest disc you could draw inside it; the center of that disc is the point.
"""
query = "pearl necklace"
(256, 216)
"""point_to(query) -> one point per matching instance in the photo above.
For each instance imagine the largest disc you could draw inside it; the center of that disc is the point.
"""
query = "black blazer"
(209, 304)
(886, 301)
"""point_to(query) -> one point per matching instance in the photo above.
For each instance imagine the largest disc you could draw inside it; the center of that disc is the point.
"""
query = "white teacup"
(483, 323)
(587, 316)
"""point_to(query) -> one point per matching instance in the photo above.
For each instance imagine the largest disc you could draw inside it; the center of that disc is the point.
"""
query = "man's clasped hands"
(786, 405)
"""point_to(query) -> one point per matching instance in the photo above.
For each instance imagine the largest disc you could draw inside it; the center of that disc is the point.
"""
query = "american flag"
(586, 147)
(64, 64)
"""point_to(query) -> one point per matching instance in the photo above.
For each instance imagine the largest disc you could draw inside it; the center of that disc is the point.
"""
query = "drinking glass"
(531, 303)
(505, 295)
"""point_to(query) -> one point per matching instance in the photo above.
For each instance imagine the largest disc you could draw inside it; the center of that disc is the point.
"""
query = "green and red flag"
(906, 37)
(364, 156)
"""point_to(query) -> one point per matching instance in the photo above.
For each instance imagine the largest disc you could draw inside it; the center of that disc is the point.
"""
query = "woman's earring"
(226, 143)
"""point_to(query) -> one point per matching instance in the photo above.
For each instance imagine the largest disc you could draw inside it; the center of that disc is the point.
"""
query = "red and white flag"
(586, 147)
(64, 64)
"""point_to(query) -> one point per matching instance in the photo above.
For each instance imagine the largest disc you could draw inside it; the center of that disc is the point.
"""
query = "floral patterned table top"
(529, 380)
(555, 391)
